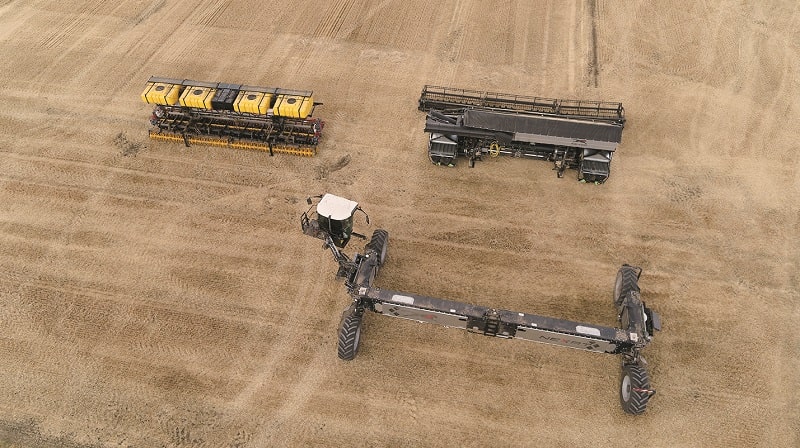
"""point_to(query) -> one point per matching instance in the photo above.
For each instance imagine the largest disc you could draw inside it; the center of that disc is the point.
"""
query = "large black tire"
(627, 281)
(350, 335)
(634, 389)
(379, 243)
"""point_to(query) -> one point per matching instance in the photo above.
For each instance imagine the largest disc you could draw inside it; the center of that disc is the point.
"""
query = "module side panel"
(565, 340)
(422, 306)
(423, 303)
(580, 329)
(420, 315)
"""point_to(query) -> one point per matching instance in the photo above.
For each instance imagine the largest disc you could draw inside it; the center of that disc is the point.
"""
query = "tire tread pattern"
(639, 379)
(630, 282)
(349, 334)
(378, 244)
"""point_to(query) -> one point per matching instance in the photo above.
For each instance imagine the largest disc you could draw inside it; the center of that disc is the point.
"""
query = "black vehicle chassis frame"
(637, 322)
(497, 322)
(493, 322)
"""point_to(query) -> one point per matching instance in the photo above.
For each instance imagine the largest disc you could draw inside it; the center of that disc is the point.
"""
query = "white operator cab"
(335, 216)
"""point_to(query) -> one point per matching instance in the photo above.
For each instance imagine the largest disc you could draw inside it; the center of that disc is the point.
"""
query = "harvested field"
(157, 295)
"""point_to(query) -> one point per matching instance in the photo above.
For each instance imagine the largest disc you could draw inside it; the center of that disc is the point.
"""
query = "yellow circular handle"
(494, 149)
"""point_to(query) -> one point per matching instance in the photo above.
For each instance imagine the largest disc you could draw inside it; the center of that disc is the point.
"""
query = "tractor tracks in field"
(515, 235)
(594, 64)
(583, 58)
(328, 30)
(179, 39)
(210, 12)
(112, 296)
(545, 44)
(84, 175)
(298, 346)
(69, 173)
(336, 16)
(149, 11)
(778, 86)
(583, 48)
(91, 195)
(69, 25)
(570, 43)
(453, 44)
(137, 330)
(310, 378)
(72, 30)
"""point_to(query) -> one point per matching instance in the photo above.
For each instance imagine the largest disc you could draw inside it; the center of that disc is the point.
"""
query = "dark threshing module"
(575, 134)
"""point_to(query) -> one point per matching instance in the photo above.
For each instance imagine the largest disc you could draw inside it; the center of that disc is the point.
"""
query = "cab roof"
(336, 208)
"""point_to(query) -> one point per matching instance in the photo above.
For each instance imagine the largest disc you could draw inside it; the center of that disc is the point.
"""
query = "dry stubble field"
(157, 295)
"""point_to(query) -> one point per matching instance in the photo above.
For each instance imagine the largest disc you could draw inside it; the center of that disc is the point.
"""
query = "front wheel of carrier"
(634, 390)
(350, 335)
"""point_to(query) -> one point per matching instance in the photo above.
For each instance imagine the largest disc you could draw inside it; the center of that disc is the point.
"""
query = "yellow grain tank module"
(293, 106)
(162, 91)
(198, 95)
(253, 101)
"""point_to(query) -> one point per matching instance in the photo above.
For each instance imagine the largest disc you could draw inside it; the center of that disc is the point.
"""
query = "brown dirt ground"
(158, 295)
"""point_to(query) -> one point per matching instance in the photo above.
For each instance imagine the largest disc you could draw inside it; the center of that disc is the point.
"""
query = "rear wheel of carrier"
(350, 335)
(379, 244)
(634, 389)
(627, 281)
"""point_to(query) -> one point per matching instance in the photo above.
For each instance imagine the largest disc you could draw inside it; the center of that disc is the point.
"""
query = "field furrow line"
(544, 35)
(593, 58)
(333, 21)
(210, 13)
(312, 374)
(288, 339)
(117, 299)
(92, 169)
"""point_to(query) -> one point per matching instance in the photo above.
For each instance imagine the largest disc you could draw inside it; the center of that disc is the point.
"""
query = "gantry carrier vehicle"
(331, 220)
(233, 116)
(575, 134)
